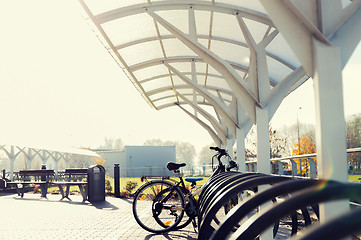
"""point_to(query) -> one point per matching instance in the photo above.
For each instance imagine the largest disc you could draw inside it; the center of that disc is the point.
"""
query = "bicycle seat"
(175, 166)
(193, 179)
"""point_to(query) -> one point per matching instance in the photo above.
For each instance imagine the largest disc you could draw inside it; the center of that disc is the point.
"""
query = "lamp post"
(298, 137)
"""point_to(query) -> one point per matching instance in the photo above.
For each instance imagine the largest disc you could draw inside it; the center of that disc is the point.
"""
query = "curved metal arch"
(172, 74)
(183, 86)
(158, 61)
(214, 38)
(167, 105)
(199, 102)
(197, 5)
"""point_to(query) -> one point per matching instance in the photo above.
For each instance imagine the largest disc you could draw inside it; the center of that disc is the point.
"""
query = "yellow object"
(167, 223)
(142, 197)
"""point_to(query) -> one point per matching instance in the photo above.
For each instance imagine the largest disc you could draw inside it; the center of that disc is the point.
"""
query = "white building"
(136, 161)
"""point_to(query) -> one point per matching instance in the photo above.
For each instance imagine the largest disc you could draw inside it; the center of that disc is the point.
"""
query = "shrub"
(108, 185)
(130, 186)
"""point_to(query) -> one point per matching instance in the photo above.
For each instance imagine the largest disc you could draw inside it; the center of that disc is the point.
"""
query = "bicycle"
(159, 205)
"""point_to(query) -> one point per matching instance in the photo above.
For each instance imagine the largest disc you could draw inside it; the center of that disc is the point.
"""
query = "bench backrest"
(36, 173)
(76, 171)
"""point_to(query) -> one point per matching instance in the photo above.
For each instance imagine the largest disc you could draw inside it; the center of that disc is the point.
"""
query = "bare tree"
(205, 156)
(185, 152)
(111, 143)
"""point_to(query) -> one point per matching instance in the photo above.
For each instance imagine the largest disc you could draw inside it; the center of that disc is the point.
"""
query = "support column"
(67, 159)
(31, 155)
(263, 156)
(263, 142)
(330, 122)
(230, 143)
(12, 157)
(241, 150)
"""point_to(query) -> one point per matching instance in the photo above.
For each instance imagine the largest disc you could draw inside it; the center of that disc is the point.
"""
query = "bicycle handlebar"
(223, 152)
(220, 150)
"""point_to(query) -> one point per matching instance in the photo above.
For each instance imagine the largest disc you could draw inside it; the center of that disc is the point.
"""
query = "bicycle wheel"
(158, 206)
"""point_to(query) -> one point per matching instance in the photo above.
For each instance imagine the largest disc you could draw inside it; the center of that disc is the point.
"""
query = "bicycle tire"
(152, 213)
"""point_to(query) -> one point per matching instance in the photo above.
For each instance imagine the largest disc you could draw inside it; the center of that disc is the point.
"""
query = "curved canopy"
(196, 54)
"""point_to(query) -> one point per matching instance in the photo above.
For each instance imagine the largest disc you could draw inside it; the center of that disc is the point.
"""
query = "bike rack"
(299, 194)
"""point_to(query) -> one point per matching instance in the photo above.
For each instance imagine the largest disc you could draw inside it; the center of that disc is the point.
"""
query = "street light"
(298, 136)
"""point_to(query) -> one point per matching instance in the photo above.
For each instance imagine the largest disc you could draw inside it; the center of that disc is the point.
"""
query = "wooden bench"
(69, 175)
(32, 177)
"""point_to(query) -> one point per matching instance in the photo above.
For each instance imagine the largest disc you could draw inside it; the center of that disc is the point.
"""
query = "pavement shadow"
(104, 205)
(171, 236)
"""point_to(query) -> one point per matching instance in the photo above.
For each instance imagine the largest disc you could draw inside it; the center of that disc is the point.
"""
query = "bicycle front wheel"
(158, 206)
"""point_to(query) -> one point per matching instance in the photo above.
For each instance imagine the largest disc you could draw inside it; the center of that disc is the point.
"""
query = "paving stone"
(34, 218)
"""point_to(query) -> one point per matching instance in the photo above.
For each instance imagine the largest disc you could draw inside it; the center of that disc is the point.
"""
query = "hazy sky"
(59, 86)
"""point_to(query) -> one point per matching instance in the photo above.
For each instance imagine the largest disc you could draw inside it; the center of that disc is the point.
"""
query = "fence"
(278, 165)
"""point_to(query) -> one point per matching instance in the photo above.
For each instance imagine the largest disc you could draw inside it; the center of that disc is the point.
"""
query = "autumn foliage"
(306, 146)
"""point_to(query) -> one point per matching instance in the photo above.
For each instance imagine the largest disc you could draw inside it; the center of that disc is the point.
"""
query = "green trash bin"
(96, 183)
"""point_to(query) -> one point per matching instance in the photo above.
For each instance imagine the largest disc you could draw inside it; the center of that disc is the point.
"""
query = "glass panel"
(276, 70)
(150, 72)
(185, 91)
(257, 29)
(231, 52)
(174, 47)
(178, 18)
(251, 4)
(141, 52)
(97, 6)
(225, 25)
(182, 66)
(157, 83)
(203, 19)
(130, 28)
(211, 70)
(165, 93)
(178, 81)
(163, 101)
(280, 47)
(217, 83)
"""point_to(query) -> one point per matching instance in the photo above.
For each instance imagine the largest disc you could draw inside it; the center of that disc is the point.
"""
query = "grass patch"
(355, 178)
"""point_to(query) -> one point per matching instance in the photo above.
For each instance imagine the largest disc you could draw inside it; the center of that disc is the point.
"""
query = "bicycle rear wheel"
(158, 206)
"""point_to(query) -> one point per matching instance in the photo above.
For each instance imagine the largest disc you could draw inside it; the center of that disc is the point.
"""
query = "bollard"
(43, 187)
(116, 181)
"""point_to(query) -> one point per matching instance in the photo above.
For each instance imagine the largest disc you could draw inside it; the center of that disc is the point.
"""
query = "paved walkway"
(35, 218)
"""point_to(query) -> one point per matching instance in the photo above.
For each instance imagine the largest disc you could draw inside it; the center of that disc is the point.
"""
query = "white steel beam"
(263, 142)
(214, 136)
(221, 131)
(347, 36)
(12, 157)
(282, 89)
(157, 61)
(330, 122)
(296, 28)
(220, 107)
(229, 74)
(183, 5)
(213, 38)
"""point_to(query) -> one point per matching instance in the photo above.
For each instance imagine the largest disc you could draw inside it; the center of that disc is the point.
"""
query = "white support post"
(241, 150)
(294, 167)
(313, 168)
(280, 168)
(263, 143)
(263, 155)
(31, 155)
(330, 122)
(230, 143)
(12, 158)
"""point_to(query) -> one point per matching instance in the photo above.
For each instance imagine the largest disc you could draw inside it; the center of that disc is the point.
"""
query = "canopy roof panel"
(196, 53)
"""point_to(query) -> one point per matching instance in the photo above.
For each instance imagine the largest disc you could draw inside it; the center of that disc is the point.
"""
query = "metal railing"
(279, 167)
